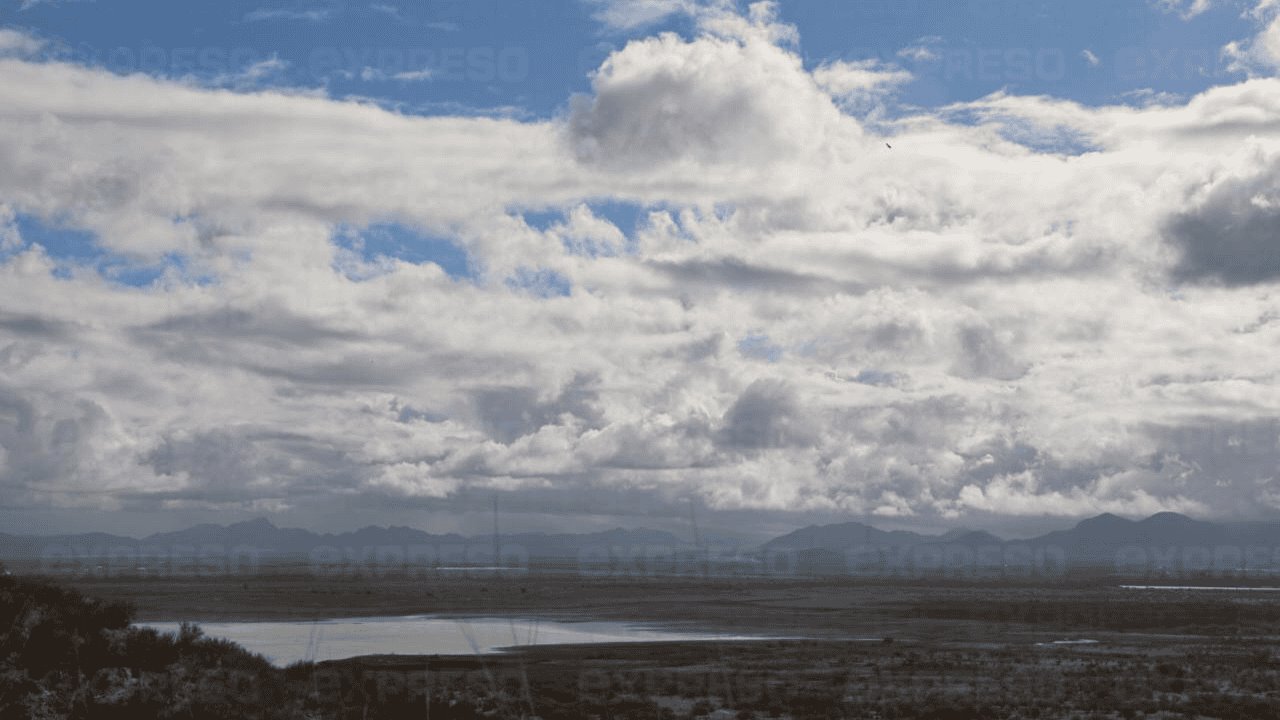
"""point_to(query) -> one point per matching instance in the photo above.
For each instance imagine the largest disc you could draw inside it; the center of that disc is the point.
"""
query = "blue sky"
(986, 45)
(526, 59)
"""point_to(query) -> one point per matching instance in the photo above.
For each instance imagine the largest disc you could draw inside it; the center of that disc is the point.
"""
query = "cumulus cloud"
(319, 13)
(16, 43)
(981, 354)
(510, 413)
(259, 71)
(719, 100)
(1186, 9)
(371, 73)
(633, 14)
(1229, 234)
(923, 50)
(767, 415)
(1260, 54)
(1018, 309)
(859, 83)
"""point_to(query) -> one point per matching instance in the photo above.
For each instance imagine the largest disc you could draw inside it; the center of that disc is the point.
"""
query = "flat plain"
(1073, 647)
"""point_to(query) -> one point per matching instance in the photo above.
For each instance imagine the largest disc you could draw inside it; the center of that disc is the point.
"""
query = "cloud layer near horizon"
(1024, 307)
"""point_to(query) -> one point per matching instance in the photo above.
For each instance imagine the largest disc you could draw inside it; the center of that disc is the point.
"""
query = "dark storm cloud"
(266, 323)
(922, 423)
(34, 326)
(1232, 238)
(707, 348)
(308, 373)
(238, 464)
(509, 413)
(738, 274)
(982, 355)
(365, 369)
(766, 415)
(894, 335)
(686, 444)
(406, 413)
(999, 456)
(877, 378)
(368, 369)
(574, 501)
(1225, 451)
(219, 458)
(276, 343)
(41, 445)
(1042, 263)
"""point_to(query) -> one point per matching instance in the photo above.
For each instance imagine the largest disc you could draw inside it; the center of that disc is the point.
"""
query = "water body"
(1200, 587)
(286, 642)
(1082, 641)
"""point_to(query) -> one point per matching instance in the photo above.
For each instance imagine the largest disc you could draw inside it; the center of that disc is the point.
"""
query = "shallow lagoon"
(287, 642)
(1217, 588)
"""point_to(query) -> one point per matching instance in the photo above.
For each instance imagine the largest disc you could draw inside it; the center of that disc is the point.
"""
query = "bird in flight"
(888, 146)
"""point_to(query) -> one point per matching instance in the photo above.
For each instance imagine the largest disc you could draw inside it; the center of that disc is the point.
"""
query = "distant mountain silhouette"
(268, 540)
(841, 537)
(1098, 540)
(1164, 542)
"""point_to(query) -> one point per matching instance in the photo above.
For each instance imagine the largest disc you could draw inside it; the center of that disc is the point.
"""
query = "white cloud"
(389, 10)
(1259, 55)
(922, 50)
(16, 43)
(373, 74)
(721, 99)
(857, 84)
(1089, 57)
(10, 237)
(264, 68)
(1017, 495)
(253, 76)
(977, 320)
(316, 14)
(627, 15)
(1148, 96)
(1187, 9)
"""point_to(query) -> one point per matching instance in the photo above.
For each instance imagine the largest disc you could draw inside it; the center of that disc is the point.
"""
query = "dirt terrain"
(856, 648)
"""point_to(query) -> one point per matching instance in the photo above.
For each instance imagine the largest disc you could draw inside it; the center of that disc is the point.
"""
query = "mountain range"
(1166, 540)
(269, 540)
(1166, 543)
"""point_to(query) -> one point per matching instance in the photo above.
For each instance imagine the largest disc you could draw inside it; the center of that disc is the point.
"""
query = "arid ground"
(849, 647)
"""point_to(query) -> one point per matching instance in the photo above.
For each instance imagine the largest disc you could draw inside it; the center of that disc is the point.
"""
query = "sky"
(993, 263)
